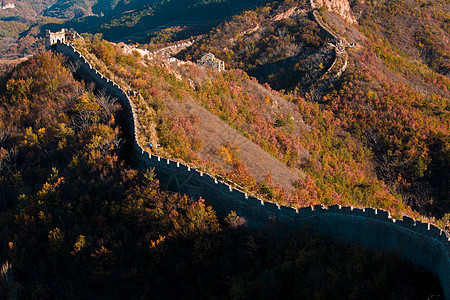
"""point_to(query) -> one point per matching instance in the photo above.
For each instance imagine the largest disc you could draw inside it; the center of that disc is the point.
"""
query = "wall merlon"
(371, 212)
(383, 215)
(239, 196)
(347, 210)
(358, 212)
(253, 201)
(305, 211)
(443, 238)
(270, 206)
(183, 167)
(334, 208)
(422, 227)
(208, 179)
(318, 208)
(434, 231)
(407, 222)
(147, 156)
(223, 187)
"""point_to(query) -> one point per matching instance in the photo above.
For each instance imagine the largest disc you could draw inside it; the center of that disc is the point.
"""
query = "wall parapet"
(420, 243)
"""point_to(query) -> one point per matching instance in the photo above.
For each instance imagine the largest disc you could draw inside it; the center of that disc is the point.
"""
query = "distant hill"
(135, 21)
(138, 20)
(277, 43)
(27, 9)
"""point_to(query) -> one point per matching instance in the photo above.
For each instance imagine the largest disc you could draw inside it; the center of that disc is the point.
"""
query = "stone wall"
(339, 65)
(420, 243)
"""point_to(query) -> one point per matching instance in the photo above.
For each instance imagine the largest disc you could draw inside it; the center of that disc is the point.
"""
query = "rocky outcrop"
(340, 7)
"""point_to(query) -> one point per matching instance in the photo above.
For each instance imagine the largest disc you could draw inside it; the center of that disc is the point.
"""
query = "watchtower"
(62, 36)
(209, 60)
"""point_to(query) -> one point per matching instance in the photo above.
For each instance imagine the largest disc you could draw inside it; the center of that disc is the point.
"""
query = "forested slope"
(76, 221)
(302, 136)
(393, 97)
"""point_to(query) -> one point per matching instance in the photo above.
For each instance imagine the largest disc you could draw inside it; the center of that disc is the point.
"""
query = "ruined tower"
(62, 36)
(5, 4)
(209, 60)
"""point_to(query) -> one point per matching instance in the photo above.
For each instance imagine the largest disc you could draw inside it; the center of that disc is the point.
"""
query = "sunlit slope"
(299, 134)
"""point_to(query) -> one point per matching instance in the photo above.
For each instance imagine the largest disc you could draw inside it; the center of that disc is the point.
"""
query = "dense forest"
(77, 221)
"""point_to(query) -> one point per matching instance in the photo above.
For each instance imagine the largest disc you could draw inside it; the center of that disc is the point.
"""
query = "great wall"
(421, 244)
(339, 65)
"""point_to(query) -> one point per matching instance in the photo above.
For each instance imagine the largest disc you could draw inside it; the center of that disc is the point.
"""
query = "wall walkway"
(420, 243)
(339, 65)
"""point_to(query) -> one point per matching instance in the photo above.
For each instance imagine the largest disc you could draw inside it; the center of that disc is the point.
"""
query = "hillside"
(146, 18)
(276, 43)
(77, 220)
(293, 134)
(397, 163)
(400, 89)
(23, 27)
(419, 29)
(393, 103)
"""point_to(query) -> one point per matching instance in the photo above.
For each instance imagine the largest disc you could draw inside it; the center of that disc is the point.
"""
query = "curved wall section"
(420, 243)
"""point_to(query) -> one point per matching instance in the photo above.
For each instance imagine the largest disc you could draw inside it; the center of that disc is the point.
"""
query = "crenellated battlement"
(420, 243)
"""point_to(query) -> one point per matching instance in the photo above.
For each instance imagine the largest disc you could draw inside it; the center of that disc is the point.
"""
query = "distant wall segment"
(420, 243)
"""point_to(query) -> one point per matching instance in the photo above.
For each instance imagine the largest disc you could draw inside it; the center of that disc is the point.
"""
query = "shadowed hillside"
(77, 220)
